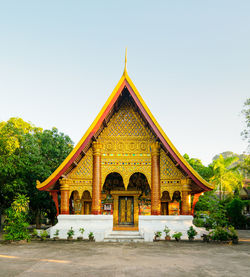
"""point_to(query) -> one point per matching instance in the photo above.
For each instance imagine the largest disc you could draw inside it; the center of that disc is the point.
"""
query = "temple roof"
(124, 84)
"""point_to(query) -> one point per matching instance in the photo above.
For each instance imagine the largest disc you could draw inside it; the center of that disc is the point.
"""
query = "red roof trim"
(151, 123)
(92, 133)
(158, 133)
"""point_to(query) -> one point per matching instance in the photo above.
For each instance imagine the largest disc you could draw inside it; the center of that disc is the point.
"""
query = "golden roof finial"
(125, 67)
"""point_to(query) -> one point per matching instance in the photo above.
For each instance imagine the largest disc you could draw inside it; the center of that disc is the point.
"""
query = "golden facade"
(125, 165)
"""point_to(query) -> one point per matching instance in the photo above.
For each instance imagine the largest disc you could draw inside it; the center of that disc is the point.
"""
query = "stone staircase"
(124, 236)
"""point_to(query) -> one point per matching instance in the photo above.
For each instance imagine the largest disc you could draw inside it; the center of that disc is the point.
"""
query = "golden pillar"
(96, 190)
(185, 196)
(155, 179)
(64, 196)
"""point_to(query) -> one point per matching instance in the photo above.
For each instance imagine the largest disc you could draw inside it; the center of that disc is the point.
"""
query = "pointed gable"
(131, 120)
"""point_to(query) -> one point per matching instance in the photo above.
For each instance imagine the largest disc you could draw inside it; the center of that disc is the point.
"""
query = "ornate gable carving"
(126, 132)
(84, 168)
(167, 168)
(126, 144)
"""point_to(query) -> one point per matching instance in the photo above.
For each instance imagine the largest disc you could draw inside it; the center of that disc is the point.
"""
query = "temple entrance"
(126, 210)
(165, 199)
(86, 202)
(164, 208)
(87, 207)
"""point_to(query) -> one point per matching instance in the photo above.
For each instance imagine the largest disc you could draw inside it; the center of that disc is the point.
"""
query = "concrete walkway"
(128, 259)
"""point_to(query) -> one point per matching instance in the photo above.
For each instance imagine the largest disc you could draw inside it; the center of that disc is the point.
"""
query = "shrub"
(220, 234)
(44, 235)
(198, 222)
(166, 231)
(34, 233)
(91, 236)
(56, 233)
(177, 236)
(81, 230)
(233, 234)
(191, 232)
(210, 212)
(16, 220)
(158, 234)
(234, 211)
(71, 233)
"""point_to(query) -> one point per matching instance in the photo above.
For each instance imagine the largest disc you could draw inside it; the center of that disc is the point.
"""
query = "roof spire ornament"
(125, 67)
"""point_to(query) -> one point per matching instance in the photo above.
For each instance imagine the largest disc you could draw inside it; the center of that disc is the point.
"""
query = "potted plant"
(205, 238)
(233, 235)
(157, 235)
(91, 236)
(34, 233)
(56, 235)
(177, 236)
(191, 232)
(70, 233)
(167, 231)
(44, 235)
(81, 230)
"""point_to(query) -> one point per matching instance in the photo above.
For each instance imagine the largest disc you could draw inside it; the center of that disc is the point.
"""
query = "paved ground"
(132, 259)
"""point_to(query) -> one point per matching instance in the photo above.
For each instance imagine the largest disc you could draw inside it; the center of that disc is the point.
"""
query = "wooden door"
(87, 207)
(126, 210)
(164, 208)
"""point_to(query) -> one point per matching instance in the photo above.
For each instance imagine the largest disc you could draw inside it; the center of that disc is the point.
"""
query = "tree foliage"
(234, 210)
(210, 211)
(17, 220)
(205, 172)
(32, 154)
(226, 179)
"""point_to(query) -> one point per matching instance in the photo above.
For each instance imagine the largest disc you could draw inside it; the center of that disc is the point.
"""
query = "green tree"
(34, 156)
(226, 179)
(17, 220)
(205, 172)
(234, 211)
(210, 211)
(241, 164)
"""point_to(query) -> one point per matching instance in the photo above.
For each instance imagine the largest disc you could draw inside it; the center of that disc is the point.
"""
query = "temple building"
(124, 174)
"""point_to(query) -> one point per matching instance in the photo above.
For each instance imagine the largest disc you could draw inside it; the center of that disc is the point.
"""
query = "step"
(124, 233)
(124, 236)
(123, 240)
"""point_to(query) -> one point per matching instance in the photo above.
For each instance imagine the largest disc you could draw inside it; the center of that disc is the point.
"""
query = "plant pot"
(79, 238)
(235, 241)
(156, 238)
(56, 238)
(190, 239)
(69, 238)
(205, 238)
(167, 238)
(177, 239)
(91, 239)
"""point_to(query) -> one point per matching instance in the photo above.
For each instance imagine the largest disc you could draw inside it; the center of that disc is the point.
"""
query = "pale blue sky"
(190, 60)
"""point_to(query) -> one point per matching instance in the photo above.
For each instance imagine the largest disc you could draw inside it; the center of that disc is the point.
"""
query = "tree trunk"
(38, 219)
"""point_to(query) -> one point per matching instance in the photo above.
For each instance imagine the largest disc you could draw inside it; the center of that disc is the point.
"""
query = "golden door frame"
(115, 194)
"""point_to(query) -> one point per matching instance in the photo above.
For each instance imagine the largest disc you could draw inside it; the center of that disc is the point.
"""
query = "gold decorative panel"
(126, 145)
(81, 186)
(84, 168)
(126, 170)
(168, 169)
(126, 133)
(126, 123)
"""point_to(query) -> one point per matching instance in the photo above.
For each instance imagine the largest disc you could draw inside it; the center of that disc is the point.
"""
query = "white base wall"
(148, 225)
(102, 225)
